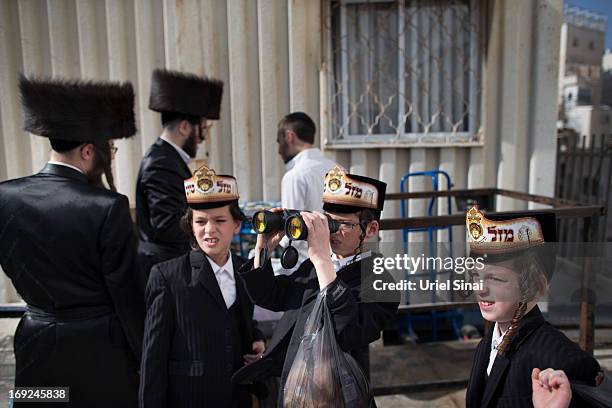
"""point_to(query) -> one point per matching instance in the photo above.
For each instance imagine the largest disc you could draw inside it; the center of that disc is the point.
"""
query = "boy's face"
(214, 229)
(501, 293)
(345, 242)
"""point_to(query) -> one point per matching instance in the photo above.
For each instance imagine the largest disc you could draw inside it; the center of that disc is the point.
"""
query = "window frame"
(469, 137)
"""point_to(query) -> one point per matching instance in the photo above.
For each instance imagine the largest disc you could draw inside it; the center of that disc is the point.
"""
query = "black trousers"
(90, 356)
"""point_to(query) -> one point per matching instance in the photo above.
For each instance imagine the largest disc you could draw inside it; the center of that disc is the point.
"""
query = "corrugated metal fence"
(274, 58)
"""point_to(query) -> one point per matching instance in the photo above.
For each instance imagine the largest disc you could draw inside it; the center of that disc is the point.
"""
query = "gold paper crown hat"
(206, 189)
(344, 192)
(501, 236)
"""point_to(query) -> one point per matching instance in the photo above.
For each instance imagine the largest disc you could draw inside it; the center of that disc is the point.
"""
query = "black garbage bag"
(322, 374)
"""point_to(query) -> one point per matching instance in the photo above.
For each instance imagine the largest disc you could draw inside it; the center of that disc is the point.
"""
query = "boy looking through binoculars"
(355, 203)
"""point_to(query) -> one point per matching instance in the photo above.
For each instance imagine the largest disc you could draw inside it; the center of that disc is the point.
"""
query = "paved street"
(391, 366)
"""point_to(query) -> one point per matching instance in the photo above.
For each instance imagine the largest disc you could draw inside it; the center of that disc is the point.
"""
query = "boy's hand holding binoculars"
(319, 246)
(269, 239)
(318, 235)
(272, 225)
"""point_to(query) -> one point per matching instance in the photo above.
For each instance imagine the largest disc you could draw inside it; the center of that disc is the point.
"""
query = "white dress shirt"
(186, 158)
(302, 188)
(341, 263)
(302, 185)
(226, 280)
(497, 339)
(65, 165)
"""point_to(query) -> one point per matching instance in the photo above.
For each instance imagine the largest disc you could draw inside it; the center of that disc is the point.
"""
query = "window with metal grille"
(403, 70)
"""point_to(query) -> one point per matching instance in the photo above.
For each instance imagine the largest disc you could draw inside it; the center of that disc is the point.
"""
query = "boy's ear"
(237, 225)
(544, 285)
(372, 229)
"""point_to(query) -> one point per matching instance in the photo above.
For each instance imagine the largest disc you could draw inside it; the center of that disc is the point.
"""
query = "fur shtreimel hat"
(76, 110)
(185, 93)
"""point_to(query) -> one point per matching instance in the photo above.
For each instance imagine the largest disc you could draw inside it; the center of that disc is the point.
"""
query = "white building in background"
(606, 78)
(465, 86)
(581, 96)
(590, 120)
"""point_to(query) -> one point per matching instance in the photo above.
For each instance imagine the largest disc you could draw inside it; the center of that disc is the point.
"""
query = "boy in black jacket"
(199, 328)
(518, 267)
(356, 202)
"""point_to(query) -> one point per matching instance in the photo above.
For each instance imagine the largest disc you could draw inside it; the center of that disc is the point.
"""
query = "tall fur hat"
(76, 110)
(189, 94)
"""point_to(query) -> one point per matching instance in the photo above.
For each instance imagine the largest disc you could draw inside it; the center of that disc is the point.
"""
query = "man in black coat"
(358, 312)
(69, 248)
(186, 103)
(199, 328)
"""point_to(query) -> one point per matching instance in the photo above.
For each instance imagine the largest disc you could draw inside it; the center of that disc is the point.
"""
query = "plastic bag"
(322, 374)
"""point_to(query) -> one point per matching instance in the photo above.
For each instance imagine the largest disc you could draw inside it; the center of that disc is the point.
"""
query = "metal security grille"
(584, 175)
(403, 70)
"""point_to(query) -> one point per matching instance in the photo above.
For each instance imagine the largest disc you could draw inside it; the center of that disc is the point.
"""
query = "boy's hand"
(271, 239)
(258, 349)
(551, 388)
(319, 250)
(318, 235)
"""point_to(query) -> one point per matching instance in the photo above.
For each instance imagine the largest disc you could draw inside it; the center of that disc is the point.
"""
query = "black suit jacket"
(70, 250)
(187, 356)
(536, 345)
(66, 244)
(357, 322)
(160, 204)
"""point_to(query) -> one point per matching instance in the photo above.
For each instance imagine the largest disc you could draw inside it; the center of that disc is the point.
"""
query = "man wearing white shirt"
(306, 166)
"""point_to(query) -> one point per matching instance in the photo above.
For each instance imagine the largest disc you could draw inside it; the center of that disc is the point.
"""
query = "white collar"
(304, 154)
(229, 266)
(186, 158)
(497, 337)
(341, 263)
(57, 163)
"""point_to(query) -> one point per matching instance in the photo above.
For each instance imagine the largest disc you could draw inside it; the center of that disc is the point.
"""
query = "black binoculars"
(288, 220)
